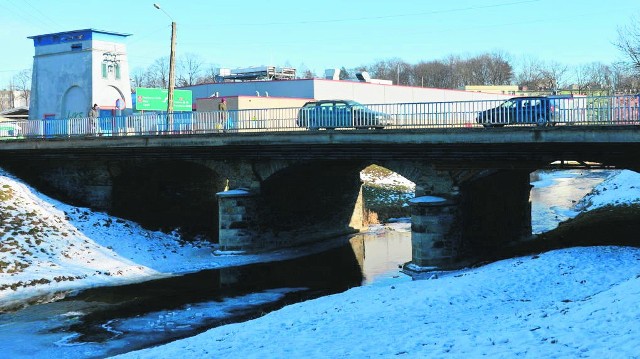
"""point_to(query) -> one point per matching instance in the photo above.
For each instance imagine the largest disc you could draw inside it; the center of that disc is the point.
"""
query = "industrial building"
(281, 93)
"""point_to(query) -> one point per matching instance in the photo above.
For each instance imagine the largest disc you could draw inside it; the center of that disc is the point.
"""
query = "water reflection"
(381, 252)
(110, 320)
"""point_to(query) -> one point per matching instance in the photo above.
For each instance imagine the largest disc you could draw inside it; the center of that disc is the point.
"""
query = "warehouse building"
(324, 89)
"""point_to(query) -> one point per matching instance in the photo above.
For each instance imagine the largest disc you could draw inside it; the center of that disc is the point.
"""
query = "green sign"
(149, 99)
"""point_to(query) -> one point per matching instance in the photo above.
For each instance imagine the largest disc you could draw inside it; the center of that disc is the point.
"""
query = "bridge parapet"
(619, 110)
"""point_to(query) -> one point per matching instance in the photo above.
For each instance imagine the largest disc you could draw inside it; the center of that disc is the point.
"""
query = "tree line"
(452, 72)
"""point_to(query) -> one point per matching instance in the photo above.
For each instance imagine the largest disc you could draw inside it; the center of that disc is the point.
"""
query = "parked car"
(539, 110)
(331, 114)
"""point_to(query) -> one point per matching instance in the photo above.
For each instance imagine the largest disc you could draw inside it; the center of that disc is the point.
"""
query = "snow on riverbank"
(579, 302)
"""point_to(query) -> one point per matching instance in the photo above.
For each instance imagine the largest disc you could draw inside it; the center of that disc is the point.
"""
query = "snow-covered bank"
(49, 247)
(579, 302)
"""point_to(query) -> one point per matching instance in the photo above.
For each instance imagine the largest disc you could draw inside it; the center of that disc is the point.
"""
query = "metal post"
(172, 67)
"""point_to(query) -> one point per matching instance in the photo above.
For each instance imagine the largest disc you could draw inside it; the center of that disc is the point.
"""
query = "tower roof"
(74, 36)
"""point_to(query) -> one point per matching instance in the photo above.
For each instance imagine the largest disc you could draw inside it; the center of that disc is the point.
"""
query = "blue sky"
(328, 33)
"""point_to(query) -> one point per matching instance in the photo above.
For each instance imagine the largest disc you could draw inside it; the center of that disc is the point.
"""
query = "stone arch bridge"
(299, 187)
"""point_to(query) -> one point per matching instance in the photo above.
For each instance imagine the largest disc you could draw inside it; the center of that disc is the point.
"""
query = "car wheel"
(541, 121)
(313, 126)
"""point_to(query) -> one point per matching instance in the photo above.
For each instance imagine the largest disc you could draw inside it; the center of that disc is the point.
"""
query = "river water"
(106, 321)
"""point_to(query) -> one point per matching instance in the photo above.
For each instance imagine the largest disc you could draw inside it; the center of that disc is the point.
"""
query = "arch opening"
(385, 194)
(169, 195)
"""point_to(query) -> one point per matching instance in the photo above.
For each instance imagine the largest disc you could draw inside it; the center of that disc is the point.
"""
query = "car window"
(509, 104)
(309, 104)
(357, 105)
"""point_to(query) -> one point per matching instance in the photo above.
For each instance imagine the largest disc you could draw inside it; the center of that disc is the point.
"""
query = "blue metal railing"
(550, 111)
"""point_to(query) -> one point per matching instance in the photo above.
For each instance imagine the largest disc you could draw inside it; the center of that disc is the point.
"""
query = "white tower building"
(75, 69)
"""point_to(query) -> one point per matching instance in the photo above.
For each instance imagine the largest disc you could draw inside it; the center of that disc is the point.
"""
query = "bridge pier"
(236, 209)
(435, 231)
(478, 215)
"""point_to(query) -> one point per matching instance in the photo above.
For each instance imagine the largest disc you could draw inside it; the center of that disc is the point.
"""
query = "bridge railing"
(577, 110)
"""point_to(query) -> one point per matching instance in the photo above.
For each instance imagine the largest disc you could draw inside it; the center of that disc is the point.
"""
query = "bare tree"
(553, 75)
(624, 79)
(210, 74)
(303, 72)
(189, 71)
(394, 70)
(345, 74)
(22, 84)
(138, 78)
(158, 73)
(540, 76)
(629, 43)
(432, 74)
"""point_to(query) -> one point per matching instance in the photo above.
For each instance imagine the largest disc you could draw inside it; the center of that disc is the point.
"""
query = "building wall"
(248, 103)
(321, 89)
(67, 74)
(12, 99)
(379, 94)
(285, 88)
(253, 102)
(501, 89)
(58, 73)
(107, 91)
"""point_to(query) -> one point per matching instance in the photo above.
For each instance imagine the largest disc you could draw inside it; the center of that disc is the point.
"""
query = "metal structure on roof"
(258, 73)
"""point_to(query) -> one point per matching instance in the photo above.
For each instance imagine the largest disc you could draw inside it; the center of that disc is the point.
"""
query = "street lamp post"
(172, 62)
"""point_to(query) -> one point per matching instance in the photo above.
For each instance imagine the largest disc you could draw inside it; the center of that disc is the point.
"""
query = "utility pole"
(172, 69)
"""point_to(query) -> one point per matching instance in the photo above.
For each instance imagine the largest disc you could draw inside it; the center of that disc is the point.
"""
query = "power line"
(44, 16)
(17, 11)
(382, 17)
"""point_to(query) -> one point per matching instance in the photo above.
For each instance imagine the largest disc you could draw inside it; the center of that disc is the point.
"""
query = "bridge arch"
(167, 194)
(311, 196)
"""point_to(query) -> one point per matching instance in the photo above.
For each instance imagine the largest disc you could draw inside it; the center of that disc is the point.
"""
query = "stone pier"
(435, 231)
(235, 208)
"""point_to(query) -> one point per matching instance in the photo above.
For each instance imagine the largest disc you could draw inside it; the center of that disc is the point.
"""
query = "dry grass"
(370, 217)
